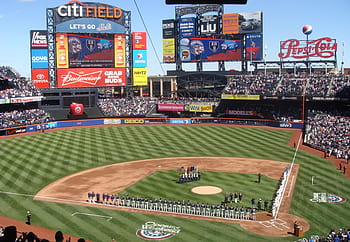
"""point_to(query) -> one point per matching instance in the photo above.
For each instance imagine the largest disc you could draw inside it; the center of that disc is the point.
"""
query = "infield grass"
(29, 163)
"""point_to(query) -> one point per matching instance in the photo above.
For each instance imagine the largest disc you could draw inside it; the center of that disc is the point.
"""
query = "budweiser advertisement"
(91, 77)
(300, 49)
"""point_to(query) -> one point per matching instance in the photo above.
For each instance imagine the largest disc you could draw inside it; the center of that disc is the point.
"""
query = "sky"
(282, 20)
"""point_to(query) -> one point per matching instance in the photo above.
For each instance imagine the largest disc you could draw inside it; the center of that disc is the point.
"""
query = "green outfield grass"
(29, 163)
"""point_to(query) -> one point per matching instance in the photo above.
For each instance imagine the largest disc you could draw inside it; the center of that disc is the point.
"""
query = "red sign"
(139, 41)
(91, 77)
(322, 48)
(77, 109)
(40, 78)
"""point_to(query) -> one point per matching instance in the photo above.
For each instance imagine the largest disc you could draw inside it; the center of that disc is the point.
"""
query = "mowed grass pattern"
(30, 163)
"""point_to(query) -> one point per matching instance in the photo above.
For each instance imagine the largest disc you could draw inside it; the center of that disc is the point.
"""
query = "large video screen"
(208, 49)
(91, 50)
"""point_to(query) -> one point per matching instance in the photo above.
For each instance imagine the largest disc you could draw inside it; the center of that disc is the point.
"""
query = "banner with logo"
(171, 107)
(120, 50)
(207, 49)
(40, 78)
(139, 58)
(140, 77)
(180, 121)
(240, 97)
(230, 23)
(199, 108)
(187, 27)
(240, 113)
(168, 28)
(209, 24)
(38, 39)
(254, 47)
(169, 50)
(39, 58)
(91, 77)
(62, 51)
(139, 40)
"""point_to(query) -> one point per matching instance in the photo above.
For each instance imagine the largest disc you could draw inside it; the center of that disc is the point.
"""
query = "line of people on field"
(172, 206)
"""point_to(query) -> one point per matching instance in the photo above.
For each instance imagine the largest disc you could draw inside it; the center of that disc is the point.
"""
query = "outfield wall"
(145, 121)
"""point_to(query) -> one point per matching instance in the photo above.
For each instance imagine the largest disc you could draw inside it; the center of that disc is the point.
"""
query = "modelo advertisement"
(203, 49)
(91, 77)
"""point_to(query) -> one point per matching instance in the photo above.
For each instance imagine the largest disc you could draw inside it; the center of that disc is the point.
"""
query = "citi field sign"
(300, 49)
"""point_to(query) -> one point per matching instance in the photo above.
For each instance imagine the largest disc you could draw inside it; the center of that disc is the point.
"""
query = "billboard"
(89, 17)
(250, 22)
(171, 107)
(208, 49)
(39, 58)
(187, 27)
(168, 50)
(91, 77)
(120, 50)
(90, 51)
(254, 47)
(322, 48)
(139, 40)
(38, 39)
(230, 23)
(209, 24)
(139, 58)
(140, 77)
(168, 28)
(40, 78)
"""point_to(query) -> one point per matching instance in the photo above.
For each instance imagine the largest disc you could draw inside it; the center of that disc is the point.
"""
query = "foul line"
(94, 215)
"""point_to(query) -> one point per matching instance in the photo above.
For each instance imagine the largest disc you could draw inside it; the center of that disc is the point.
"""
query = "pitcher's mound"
(206, 190)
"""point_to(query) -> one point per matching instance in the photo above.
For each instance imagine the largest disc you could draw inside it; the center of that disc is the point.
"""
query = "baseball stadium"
(94, 149)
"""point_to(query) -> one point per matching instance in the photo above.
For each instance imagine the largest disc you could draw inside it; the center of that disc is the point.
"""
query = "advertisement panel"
(209, 25)
(39, 58)
(240, 97)
(88, 25)
(26, 99)
(299, 49)
(240, 113)
(139, 58)
(40, 78)
(168, 50)
(171, 107)
(140, 77)
(168, 28)
(139, 41)
(230, 23)
(120, 50)
(206, 49)
(88, 10)
(187, 27)
(250, 22)
(199, 108)
(91, 77)
(133, 121)
(91, 51)
(254, 47)
(38, 39)
(180, 121)
(62, 51)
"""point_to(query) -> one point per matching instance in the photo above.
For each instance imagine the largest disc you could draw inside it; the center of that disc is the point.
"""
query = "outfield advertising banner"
(139, 58)
(40, 78)
(250, 22)
(139, 40)
(168, 29)
(133, 121)
(38, 39)
(91, 77)
(254, 47)
(40, 59)
(89, 26)
(171, 107)
(209, 24)
(169, 50)
(180, 121)
(120, 50)
(5, 100)
(240, 97)
(240, 113)
(140, 77)
(230, 23)
(62, 51)
(26, 99)
(206, 49)
(187, 27)
(199, 108)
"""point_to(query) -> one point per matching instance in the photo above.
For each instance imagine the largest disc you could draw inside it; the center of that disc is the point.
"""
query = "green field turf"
(30, 163)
